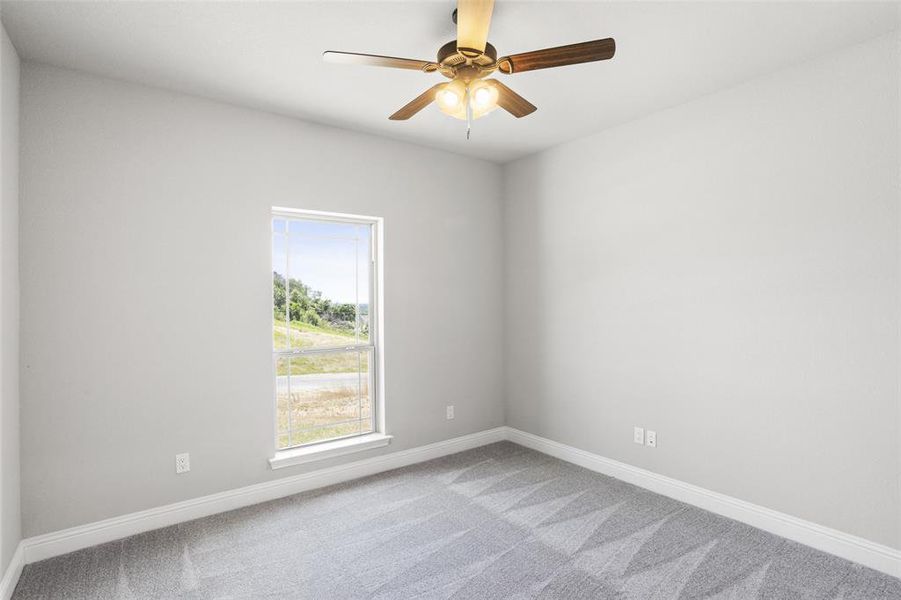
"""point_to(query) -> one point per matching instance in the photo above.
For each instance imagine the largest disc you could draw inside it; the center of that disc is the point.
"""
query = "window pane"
(315, 228)
(279, 269)
(282, 400)
(322, 281)
(366, 413)
(326, 284)
(325, 396)
(364, 281)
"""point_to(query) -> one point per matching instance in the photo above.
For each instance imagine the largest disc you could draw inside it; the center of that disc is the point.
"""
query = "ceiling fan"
(469, 59)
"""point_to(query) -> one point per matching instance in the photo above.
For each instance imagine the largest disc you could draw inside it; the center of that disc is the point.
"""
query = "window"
(324, 326)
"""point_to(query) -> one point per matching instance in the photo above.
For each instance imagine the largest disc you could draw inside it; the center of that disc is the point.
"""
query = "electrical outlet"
(182, 463)
(639, 435)
(450, 412)
(651, 439)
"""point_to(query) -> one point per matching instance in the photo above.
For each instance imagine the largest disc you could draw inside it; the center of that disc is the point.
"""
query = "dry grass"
(308, 336)
(320, 408)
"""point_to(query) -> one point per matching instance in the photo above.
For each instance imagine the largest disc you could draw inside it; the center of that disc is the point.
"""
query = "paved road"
(321, 381)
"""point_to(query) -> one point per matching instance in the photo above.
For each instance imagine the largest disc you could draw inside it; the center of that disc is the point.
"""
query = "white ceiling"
(268, 55)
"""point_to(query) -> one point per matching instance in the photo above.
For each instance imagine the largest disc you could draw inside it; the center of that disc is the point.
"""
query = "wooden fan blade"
(512, 102)
(473, 21)
(417, 104)
(374, 60)
(559, 56)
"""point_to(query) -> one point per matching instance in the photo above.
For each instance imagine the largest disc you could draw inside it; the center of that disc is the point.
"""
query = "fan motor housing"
(451, 59)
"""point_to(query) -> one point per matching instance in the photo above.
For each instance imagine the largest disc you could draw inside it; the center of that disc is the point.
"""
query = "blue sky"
(330, 257)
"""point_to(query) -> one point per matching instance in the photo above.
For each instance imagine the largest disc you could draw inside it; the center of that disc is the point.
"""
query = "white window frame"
(354, 443)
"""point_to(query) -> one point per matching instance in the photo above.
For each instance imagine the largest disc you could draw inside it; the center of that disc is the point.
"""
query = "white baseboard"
(68, 540)
(853, 548)
(876, 556)
(11, 575)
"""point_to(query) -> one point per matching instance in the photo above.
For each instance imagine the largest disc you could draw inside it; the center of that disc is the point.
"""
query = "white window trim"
(378, 438)
(324, 450)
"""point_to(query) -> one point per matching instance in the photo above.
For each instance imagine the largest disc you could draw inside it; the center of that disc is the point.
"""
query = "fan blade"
(473, 21)
(417, 104)
(512, 102)
(559, 56)
(374, 60)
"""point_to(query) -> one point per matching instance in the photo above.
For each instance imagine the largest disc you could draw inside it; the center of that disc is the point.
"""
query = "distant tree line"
(305, 305)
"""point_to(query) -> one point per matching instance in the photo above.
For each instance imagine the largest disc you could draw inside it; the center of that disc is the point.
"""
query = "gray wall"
(726, 273)
(146, 289)
(10, 529)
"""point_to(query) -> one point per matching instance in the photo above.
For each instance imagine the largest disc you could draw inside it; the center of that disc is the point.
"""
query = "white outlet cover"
(639, 435)
(651, 439)
(182, 463)
(450, 412)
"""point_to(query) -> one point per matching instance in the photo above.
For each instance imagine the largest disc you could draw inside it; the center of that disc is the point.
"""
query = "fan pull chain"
(468, 114)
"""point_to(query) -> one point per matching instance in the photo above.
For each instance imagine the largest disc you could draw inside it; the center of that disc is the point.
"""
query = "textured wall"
(726, 273)
(10, 521)
(146, 289)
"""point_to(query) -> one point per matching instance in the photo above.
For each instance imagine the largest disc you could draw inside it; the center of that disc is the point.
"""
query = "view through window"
(322, 328)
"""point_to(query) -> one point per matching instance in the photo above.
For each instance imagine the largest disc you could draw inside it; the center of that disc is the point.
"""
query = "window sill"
(299, 456)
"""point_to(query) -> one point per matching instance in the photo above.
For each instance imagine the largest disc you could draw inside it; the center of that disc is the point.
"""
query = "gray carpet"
(496, 522)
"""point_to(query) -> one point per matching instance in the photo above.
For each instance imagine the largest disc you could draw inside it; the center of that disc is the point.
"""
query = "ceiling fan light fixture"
(448, 99)
(480, 96)
(451, 99)
(483, 98)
